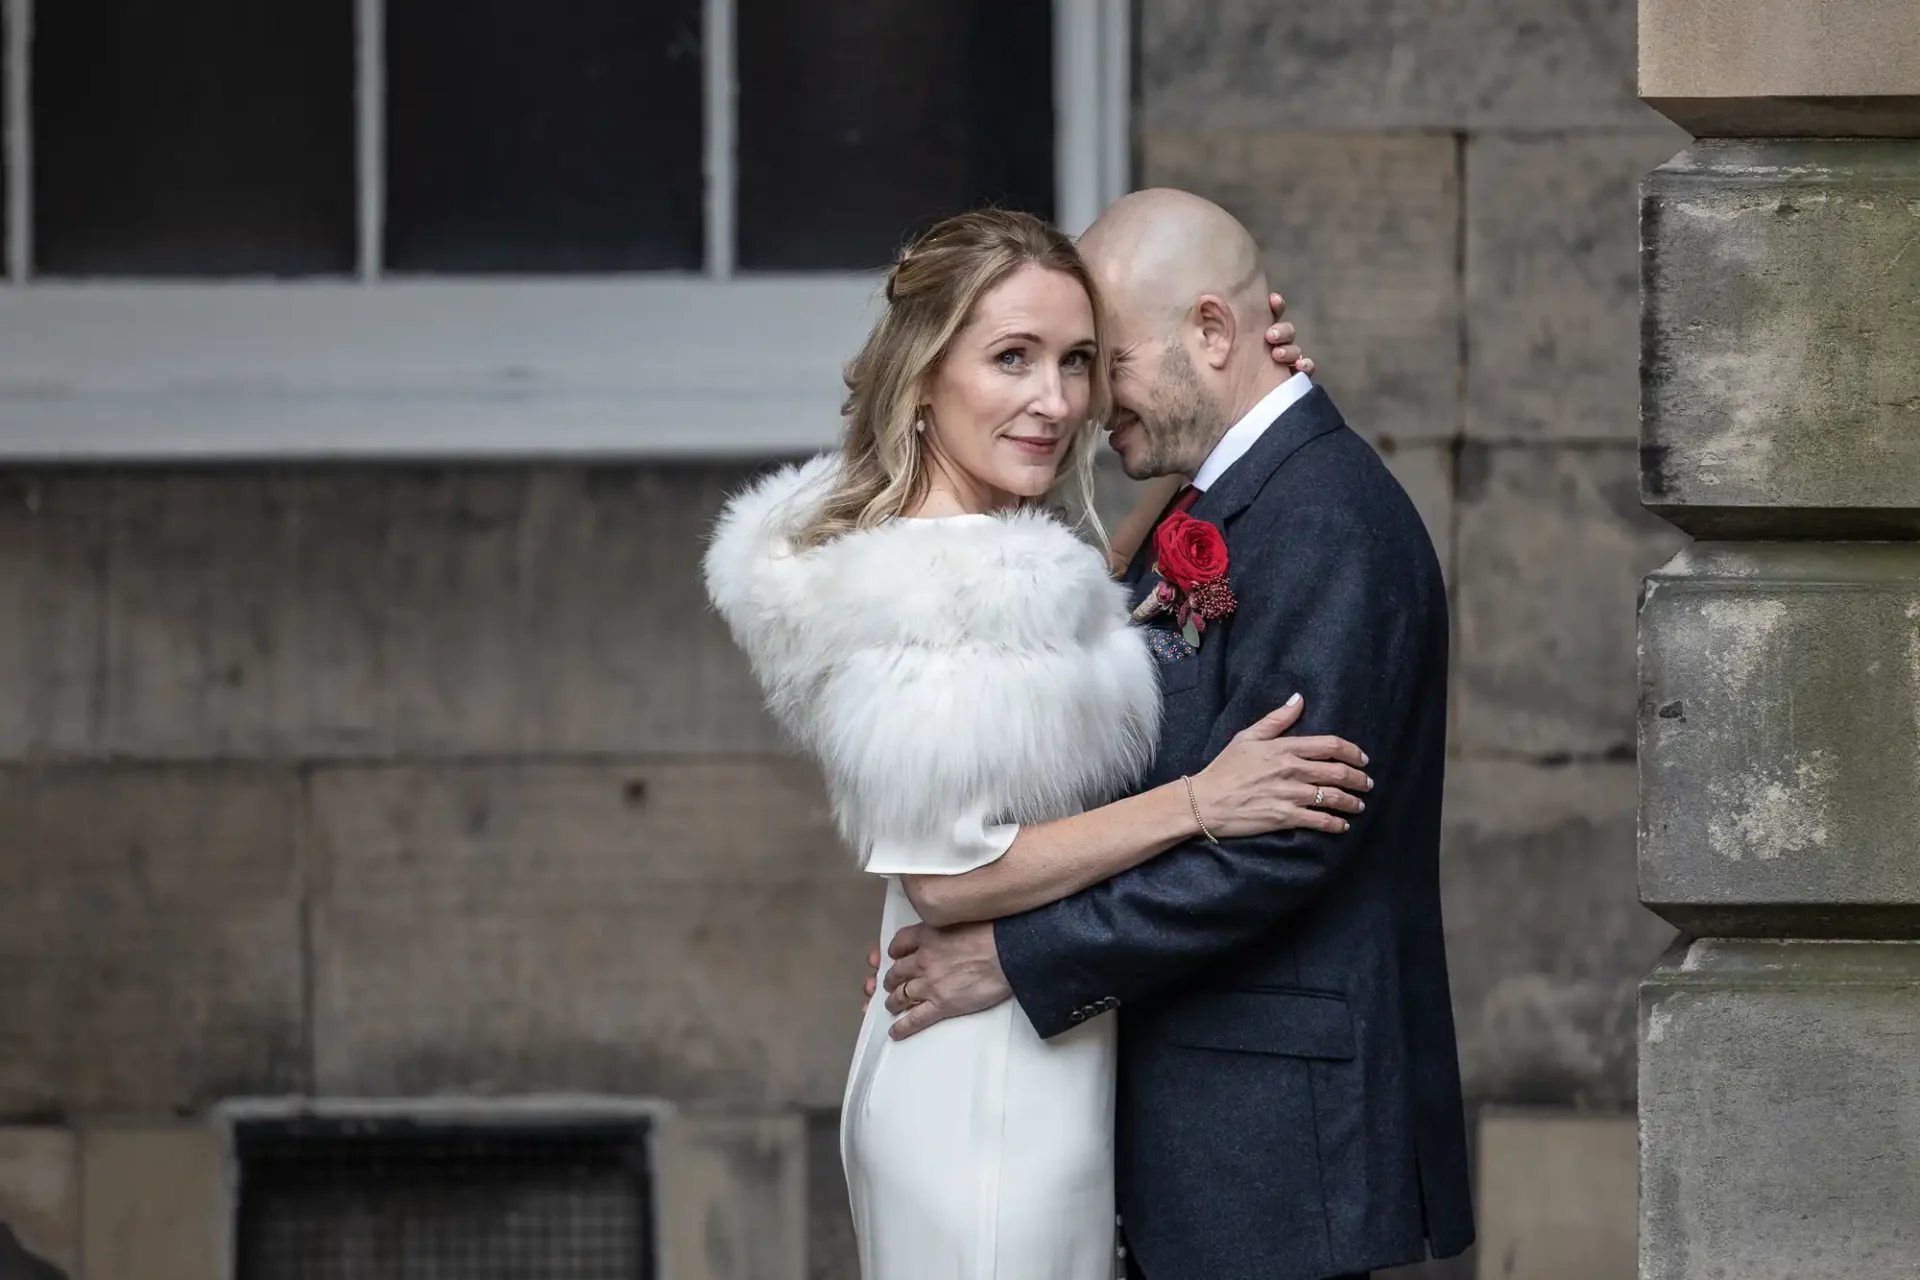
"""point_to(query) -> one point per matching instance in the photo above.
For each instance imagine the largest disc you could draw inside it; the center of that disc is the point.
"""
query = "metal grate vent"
(407, 1200)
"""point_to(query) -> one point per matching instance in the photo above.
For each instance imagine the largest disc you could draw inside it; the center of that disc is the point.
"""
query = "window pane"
(862, 123)
(527, 137)
(193, 137)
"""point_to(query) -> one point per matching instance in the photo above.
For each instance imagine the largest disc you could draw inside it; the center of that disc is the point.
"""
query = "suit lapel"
(1308, 418)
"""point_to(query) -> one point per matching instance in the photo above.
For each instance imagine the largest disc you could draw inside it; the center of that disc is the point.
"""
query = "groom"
(1289, 1103)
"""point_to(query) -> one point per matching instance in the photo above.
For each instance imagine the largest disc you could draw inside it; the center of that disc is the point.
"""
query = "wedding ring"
(1319, 795)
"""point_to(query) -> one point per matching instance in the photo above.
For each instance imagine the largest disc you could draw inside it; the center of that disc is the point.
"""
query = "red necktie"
(1178, 507)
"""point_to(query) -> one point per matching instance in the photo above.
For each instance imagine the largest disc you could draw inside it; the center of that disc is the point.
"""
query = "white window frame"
(617, 366)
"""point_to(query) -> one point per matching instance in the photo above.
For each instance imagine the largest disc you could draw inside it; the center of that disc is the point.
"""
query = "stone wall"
(378, 783)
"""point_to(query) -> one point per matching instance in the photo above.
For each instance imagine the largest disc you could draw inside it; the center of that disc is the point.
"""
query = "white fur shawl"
(938, 668)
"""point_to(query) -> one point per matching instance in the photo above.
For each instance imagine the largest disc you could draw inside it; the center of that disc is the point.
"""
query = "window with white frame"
(363, 228)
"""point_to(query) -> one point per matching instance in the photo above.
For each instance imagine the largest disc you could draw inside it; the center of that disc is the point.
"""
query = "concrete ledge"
(1779, 393)
(1782, 117)
(1779, 700)
(1780, 1112)
(1752, 68)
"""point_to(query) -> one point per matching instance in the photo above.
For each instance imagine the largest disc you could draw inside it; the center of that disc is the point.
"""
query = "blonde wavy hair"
(932, 290)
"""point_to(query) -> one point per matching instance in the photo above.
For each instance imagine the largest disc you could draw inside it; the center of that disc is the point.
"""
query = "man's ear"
(1218, 329)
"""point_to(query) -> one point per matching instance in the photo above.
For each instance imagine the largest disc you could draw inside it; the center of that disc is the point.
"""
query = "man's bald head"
(1156, 252)
(1186, 303)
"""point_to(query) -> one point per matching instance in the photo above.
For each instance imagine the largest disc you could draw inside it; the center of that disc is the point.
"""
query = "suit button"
(1077, 1017)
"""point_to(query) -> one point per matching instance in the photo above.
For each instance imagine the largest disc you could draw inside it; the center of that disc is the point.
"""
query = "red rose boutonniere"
(1191, 558)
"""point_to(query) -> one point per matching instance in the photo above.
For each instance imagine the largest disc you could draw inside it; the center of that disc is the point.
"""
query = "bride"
(963, 668)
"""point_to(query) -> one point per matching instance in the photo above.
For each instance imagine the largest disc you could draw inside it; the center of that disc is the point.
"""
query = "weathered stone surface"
(832, 1251)
(1553, 283)
(1114, 494)
(733, 1197)
(1553, 544)
(1425, 471)
(40, 1193)
(1782, 398)
(354, 613)
(1780, 739)
(1545, 941)
(52, 622)
(1557, 1196)
(1782, 68)
(149, 937)
(156, 1204)
(1361, 235)
(1388, 64)
(687, 930)
(1780, 1112)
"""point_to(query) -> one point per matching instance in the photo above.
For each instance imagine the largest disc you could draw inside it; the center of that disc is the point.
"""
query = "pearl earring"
(920, 424)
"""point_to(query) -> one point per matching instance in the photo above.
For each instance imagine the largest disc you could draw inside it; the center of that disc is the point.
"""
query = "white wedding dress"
(954, 678)
(976, 1150)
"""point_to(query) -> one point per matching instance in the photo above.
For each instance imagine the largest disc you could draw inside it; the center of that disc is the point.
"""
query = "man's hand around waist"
(941, 973)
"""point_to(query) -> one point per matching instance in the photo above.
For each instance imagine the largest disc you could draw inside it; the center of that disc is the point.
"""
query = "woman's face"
(1003, 406)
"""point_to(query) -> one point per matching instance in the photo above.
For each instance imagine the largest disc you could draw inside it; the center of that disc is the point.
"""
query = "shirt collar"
(1242, 435)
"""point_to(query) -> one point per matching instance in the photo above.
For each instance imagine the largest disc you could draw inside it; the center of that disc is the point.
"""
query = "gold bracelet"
(1194, 804)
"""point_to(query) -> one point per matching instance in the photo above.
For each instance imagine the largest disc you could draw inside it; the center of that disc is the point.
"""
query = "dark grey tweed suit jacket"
(1289, 1087)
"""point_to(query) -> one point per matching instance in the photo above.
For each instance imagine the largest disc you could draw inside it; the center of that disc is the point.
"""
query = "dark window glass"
(193, 137)
(862, 123)
(543, 138)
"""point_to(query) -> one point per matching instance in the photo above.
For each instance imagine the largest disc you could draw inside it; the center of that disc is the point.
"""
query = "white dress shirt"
(1241, 435)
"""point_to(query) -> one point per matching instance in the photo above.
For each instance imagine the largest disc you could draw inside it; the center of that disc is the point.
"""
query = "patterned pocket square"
(1168, 646)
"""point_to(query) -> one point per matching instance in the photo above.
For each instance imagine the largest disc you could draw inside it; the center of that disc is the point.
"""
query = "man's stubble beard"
(1182, 422)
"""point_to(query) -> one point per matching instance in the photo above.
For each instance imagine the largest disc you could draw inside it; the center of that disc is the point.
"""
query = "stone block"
(1361, 235)
(691, 930)
(1388, 64)
(1425, 471)
(150, 937)
(1557, 1196)
(1553, 283)
(1783, 68)
(832, 1251)
(52, 622)
(1780, 739)
(156, 1204)
(1552, 546)
(1546, 943)
(1782, 398)
(733, 1197)
(40, 1193)
(352, 613)
(1114, 493)
(1780, 1112)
